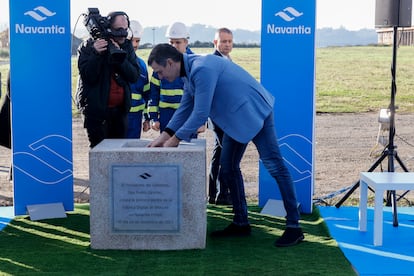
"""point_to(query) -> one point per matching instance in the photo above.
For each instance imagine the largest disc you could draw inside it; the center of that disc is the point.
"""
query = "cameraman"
(106, 66)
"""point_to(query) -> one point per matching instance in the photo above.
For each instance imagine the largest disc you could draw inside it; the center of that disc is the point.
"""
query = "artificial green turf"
(62, 247)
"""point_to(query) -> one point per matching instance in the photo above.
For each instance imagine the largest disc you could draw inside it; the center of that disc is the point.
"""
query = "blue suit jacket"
(220, 89)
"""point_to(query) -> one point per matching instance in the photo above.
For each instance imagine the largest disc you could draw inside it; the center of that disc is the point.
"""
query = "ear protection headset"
(111, 16)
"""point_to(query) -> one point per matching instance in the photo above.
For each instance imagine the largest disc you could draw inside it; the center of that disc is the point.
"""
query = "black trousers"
(114, 126)
(5, 131)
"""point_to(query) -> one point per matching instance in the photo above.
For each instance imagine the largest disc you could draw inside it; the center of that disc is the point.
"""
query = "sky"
(234, 14)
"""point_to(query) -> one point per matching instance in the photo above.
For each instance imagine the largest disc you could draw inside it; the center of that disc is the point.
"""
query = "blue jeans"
(269, 152)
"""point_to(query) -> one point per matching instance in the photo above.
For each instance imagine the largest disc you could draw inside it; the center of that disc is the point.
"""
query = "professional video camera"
(100, 27)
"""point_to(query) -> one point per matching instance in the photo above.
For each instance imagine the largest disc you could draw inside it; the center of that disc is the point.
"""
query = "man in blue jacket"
(243, 109)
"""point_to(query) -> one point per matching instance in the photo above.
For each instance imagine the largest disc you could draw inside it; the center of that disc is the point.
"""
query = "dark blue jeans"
(215, 166)
(269, 152)
(134, 124)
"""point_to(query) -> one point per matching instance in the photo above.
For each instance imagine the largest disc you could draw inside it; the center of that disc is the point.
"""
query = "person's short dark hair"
(161, 52)
(222, 30)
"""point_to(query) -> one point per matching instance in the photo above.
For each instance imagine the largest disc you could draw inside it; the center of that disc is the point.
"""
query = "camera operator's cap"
(136, 28)
(177, 30)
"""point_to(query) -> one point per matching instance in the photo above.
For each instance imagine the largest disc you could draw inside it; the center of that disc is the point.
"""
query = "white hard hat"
(136, 28)
(177, 30)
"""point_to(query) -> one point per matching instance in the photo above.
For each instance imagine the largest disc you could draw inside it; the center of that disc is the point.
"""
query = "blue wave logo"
(145, 175)
(45, 161)
(299, 163)
(40, 13)
(288, 14)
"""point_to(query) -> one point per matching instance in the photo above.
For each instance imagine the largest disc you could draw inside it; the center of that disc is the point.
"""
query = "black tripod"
(389, 150)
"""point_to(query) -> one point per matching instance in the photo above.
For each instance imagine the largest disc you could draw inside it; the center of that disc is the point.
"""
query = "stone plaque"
(145, 199)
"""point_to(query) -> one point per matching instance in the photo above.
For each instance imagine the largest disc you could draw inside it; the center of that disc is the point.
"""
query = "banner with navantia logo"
(40, 64)
(288, 72)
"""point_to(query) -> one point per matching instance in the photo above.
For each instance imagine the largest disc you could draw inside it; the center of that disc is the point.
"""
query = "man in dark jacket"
(5, 121)
(106, 67)
(223, 45)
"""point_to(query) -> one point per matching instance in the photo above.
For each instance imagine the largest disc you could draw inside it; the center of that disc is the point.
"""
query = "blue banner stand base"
(46, 211)
(274, 208)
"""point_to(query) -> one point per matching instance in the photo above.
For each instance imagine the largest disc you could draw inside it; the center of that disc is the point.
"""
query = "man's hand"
(146, 125)
(156, 126)
(172, 142)
(201, 129)
(164, 140)
(100, 45)
(159, 142)
(115, 43)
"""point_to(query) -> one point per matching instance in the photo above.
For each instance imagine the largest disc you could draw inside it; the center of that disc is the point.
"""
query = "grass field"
(348, 79)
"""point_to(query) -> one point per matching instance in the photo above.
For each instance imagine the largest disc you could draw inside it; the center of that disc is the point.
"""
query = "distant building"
(405, 36)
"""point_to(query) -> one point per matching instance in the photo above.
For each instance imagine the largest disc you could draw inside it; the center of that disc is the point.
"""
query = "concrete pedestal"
(147, 198)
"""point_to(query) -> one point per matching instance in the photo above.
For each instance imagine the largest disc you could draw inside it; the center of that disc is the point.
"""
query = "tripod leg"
(345, 197)
(400, 162)
(356, 185)
(405, 169)
(403, 195)
(392, 194)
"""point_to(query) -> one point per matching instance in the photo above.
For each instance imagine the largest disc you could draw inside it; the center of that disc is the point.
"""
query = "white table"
(380, 182)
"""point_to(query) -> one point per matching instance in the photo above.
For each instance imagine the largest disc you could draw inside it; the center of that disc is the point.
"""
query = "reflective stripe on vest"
(136, 96)
(155, 81)
(153, 109)
(169, 105)
(137, 108)
(171, 92)
(146, 87)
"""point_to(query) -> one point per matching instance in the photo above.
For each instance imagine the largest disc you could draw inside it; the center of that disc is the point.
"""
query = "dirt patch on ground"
(343, 146)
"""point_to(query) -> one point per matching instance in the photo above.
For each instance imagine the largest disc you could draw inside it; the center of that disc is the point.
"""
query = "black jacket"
(95, 71)
(5, 132)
